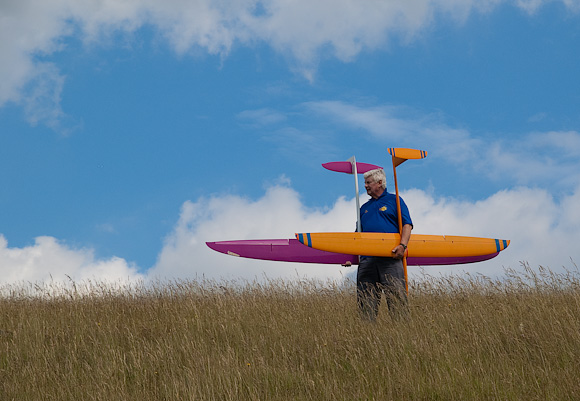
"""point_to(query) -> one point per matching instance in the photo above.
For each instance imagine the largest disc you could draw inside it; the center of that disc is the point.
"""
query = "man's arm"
(399, 250)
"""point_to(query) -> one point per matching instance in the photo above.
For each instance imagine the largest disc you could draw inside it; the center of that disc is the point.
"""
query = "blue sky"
(132, 132)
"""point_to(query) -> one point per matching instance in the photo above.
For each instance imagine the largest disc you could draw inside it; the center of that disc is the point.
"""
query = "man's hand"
(398, 252)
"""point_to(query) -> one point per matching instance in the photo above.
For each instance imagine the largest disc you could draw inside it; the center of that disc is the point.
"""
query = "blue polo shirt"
(380, 215)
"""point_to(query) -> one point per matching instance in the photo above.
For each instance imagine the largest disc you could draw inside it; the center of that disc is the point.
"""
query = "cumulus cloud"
(543, 232)
(304, 31)
(278, 214)
(48, 260)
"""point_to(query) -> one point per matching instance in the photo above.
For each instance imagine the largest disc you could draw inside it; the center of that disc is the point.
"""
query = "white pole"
(352, 161)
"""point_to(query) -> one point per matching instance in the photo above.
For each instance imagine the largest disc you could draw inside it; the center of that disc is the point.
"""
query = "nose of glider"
(501, 244)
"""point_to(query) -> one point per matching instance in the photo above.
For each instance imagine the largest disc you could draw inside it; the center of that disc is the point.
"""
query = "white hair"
(376, 175)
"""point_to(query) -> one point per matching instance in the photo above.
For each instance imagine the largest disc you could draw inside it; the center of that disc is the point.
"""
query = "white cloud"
(28, 31)
(48, 260)
(305, 31)
(278, 214)
(261, 117)
(42, 95)
(542, 230)
(563, 144)
(538, 158)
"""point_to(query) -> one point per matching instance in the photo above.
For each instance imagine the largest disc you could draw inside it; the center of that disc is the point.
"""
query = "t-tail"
(351, 166)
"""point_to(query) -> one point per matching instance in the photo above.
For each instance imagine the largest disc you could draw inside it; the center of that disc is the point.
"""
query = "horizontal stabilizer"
(402, 154)
(346, 167)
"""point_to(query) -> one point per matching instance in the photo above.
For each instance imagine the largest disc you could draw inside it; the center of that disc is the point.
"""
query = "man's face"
(374, 188)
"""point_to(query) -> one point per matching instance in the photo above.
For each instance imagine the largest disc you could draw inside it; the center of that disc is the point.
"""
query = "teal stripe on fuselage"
(309, 240)
(497, 245)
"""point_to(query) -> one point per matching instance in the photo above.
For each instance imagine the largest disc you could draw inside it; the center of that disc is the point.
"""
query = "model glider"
(344, 248)
(292, 250)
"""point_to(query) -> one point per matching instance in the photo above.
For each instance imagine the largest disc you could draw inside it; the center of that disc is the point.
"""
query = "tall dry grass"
(517, 338)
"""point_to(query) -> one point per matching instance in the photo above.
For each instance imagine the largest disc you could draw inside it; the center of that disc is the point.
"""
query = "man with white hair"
(382, 274)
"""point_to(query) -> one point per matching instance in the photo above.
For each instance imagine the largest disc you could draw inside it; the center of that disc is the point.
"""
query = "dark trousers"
(376, 275)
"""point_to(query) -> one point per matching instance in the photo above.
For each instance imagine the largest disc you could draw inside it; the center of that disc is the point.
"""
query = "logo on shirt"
(383, 209)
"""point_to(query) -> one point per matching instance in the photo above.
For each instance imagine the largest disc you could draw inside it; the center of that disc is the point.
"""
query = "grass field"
(467, 338)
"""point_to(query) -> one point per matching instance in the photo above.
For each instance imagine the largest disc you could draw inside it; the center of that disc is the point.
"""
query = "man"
(378, 274)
